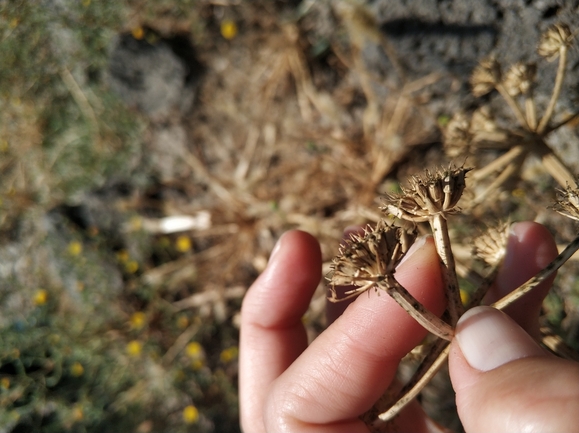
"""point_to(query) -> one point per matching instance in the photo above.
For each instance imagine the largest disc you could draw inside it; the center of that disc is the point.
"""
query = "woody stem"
(442, 241)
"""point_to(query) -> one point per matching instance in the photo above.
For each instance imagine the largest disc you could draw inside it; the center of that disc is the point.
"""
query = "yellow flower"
(4, 383)
(183, 244)
(77, 369)
(74, 248)
(194, 350)
(228, 355)
(41, 297)
(190, 414)
(86, 3)
(138, 320)
(77, 413)
(228, 29)
(14, 23)
(132, 266)
(464, 296)
(123, 256)
(138, 33)
(134, 348)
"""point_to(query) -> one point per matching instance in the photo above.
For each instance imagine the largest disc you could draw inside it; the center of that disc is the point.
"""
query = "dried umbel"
(492, 245)
(485, 77)
(457, 135)
(553, 40)
(568, 202)
(369, 258)
(519, 79)
(432, 194)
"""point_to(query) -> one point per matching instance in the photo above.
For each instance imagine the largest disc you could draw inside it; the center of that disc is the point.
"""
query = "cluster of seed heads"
(368, 260)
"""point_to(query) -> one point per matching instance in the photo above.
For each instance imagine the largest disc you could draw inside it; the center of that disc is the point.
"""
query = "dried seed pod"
(556, 37)
(492, 245)
(567, 203)
(370, 258)
(457, 135)
(519, 79)
(432, 194)
(485, 76)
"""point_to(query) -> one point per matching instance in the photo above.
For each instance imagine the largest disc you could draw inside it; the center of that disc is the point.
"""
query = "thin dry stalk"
(556, 91)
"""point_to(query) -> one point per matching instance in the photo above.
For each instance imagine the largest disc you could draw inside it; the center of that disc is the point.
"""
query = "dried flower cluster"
(557, 38)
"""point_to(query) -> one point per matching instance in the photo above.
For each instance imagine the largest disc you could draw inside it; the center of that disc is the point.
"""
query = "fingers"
(530, 248)
(346, 369)
(505, 382)
(272, 335)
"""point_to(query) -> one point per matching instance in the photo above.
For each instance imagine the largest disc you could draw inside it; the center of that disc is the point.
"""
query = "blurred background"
(152, 152)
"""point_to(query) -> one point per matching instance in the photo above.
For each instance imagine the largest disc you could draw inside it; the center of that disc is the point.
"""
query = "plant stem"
(556, 90)
(531, 112)
(514, 106)
(423, 374)
(537, 279)
(442, 241)
(419, 312)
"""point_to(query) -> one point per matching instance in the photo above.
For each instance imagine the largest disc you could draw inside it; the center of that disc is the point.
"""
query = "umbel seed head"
(567, 203)
(428, 195)
(367, 259)
(492, 245)
(485, 76)
(519, 79)
(556, 37)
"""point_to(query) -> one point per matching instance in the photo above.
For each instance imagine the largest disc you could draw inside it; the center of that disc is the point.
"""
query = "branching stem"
(556, 90)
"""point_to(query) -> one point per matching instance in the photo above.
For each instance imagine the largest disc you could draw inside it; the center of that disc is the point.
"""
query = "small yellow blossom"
(518, 193)
(5, 383)
(138, 33)
(14, 23)
(194, 350)
(123, 256)
(182, 322)
(74, 248)
(77, 369)
(4, 146)
(138, 320)
(190, 414)
(229, 354)
(86, 3)
(134, 348)
(197, 364)
(183, 244)
(464, 297)
(228, 29)
(40, 297)
(132, 266)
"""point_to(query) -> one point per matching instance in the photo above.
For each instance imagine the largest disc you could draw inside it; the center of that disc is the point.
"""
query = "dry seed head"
(519, 79)
(492, 245)
(485, 76)
(482, 121)
(370, 258)
(457, 136)
(429, 195)
(554, 39)
(568, 202)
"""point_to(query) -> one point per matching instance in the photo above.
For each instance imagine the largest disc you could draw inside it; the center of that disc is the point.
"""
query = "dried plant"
(467, 137)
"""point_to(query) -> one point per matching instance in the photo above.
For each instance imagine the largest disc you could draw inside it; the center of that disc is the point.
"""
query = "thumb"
(505, 382)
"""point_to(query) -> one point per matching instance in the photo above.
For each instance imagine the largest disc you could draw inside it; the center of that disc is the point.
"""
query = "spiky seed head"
(370, 258)
(567, 203)
(554, 39)
(457, 135)
(519, 79)
(492, 245)
(432, 194)
(485, 76)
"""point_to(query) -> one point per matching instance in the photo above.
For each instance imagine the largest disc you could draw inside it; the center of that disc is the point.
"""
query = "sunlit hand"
(503, 380)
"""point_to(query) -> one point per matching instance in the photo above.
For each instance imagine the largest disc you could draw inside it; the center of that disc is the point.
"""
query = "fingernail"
(276, 247)
(418, 243)
(488, 338)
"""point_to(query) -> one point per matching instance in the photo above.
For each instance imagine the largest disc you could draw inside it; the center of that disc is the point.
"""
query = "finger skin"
(537, 393)
(346, 369)
(272, 335)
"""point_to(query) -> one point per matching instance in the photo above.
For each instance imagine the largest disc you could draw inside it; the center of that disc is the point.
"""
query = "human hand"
(510, 384)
